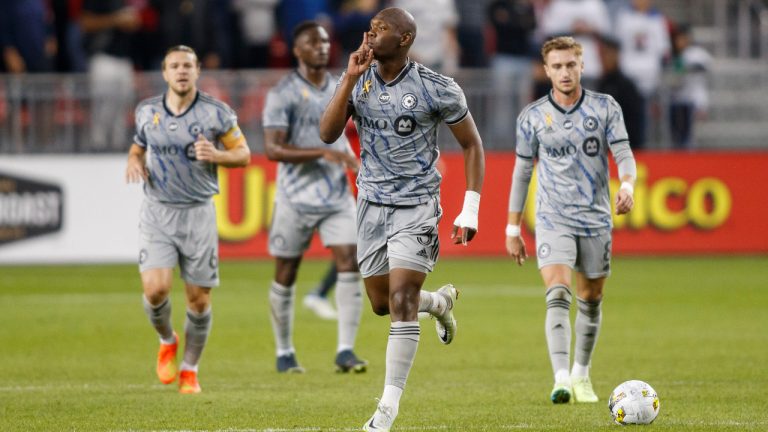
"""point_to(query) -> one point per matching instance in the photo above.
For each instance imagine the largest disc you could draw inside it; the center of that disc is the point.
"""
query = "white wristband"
(513, 230)
(627, 186)
(468, 216)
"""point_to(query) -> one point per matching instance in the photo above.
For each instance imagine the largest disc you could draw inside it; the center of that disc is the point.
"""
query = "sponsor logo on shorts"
(591, 146)
(409, 101)
(544, 250)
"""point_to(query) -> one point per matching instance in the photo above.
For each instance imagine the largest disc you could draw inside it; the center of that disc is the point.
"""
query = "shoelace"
(385, 412)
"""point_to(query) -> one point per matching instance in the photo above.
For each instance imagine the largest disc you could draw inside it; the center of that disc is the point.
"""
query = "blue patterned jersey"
(572, 147)
(397, 123)
(296, 106)
(175, 175)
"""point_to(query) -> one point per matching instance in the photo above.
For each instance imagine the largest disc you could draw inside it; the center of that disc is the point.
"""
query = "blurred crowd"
(627, 43)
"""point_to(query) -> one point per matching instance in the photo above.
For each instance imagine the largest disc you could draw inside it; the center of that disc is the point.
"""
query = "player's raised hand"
(624, 201)
(516, 249)
(360, 59)
(204, 149)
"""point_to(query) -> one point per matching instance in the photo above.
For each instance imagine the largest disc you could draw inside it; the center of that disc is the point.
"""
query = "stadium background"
(691, 266)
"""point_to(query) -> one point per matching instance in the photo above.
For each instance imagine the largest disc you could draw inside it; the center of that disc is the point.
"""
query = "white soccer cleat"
(445, 323)
(583, 391)
(320, 306)
(381, 420)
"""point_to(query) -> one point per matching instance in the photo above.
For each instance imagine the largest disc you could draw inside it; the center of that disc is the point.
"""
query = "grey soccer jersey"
(175, 176)
(397, 123)
(316, 186)
(572, 149)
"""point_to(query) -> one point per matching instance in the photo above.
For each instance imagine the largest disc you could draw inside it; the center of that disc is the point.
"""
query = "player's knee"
(198, 300)
(156, 290)
(347, 263)
(380, 308)
(558, 292)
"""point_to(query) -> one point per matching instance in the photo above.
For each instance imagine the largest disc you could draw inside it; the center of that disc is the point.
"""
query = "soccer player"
(313, 193)
(570, 132)
(181, 137)
(397, 106)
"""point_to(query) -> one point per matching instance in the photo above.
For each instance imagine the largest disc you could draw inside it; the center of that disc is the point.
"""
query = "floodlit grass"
(77, 353)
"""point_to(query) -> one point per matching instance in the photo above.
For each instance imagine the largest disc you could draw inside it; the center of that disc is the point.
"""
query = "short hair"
(560, 43)
(181, 48)
(302, 27)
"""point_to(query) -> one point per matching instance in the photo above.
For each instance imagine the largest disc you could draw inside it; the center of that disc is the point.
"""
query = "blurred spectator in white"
(24, 39)
(436, 45)
(644, 36)
(70, 56)
(615, 83)
(585, 20)
(256, 27)
(690, 95)
(513, 23)
(351, 19)
(108, 26)
(473, 16)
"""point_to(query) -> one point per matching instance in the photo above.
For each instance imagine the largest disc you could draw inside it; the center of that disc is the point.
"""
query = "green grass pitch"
(77, 353)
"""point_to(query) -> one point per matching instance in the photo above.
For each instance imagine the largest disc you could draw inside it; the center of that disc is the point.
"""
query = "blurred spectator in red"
(24, 37)
(256, 26)
(436, 45)
(513, 23)
(623, 89)
(585, 20)
(472, 32)
(690, 95)
(109, 27)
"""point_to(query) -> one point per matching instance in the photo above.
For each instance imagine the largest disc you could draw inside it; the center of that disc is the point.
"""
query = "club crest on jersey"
(409, 101)
(173, 126)
(405, 125)
(195, 129)
(384, 98)
(590, 124)
(568, 124)
(591, 146)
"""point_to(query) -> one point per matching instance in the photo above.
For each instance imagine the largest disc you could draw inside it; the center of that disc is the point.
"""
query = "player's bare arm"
(136, 170)
(465, 132)
(338, 111)
(235, 154)
(278, 149)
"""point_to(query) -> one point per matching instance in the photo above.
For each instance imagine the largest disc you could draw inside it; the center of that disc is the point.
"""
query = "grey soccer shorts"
(588, 255)
(403, 237)
(185, 236)
(291, 231)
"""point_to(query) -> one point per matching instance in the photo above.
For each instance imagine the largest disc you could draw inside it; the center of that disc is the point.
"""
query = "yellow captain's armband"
(232, 138)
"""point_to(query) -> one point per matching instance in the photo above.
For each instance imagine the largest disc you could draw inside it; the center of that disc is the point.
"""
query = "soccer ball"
(634, 402)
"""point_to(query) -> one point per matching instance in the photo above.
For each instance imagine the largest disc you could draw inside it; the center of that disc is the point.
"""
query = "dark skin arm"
(277, 149)
(338, 110)
(468, 138)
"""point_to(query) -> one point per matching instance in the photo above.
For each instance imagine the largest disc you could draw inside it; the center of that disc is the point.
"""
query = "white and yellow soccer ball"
(634, 402)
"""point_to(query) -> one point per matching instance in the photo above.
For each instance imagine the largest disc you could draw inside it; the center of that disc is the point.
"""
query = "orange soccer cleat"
(188, 382)
(166, 361)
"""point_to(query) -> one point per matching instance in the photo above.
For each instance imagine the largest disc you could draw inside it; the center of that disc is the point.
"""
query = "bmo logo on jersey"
(405, 125)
